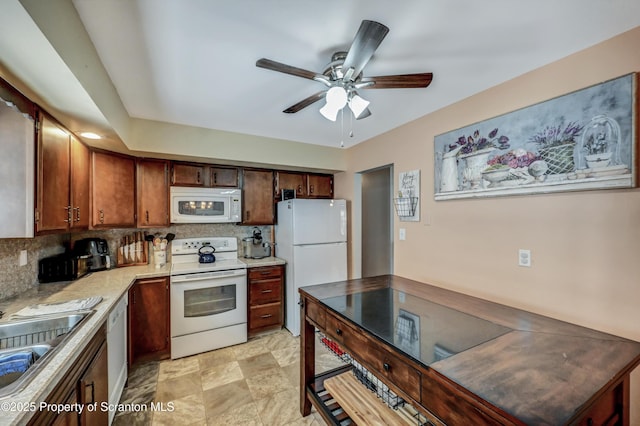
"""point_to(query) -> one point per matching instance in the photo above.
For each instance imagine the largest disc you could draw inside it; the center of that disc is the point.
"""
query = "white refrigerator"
(311, 235)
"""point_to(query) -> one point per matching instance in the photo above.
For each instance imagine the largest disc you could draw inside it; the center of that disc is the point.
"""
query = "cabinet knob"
(215, 177)
(386, 367)
(267, 291)
(338, 332)
(147, 216)
(266, 316)
(311, 189)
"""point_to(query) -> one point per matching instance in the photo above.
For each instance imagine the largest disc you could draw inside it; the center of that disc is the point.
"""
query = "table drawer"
(383, 363)
(390, 368)
(265, 291)
(315, 313)
(265, 272)
(265, 315)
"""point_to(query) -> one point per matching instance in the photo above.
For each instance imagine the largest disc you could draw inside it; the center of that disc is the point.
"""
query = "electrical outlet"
(22, 259)
(403, 234)
(524, 257)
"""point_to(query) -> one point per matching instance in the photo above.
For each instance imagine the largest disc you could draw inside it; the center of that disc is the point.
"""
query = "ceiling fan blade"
(305, 102)
(405, 81)
(367, 40)
(284, 68)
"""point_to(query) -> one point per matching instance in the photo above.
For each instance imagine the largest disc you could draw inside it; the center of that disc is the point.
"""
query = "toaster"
(63, 267)
(95, 247)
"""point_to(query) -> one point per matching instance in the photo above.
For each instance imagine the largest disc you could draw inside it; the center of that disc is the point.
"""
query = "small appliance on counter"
(63, 267)
(98, 249)
(254, 247)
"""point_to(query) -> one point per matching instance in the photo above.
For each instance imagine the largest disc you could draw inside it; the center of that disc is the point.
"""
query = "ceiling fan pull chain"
(342, 128)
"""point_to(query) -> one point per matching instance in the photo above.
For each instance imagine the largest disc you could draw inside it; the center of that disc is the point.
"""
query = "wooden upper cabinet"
(320, 186)
(257, 200)
(62, 194)
(113, 200)
(152, 193)
(54, 179)
(223, 176)
(188, 174)
(306, 185)
(80, 166)
(291, 180)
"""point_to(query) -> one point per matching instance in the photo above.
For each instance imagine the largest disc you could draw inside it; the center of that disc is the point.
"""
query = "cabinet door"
(52, 204)
(94, 388)
(153, 193)
(257, 200)
(68, 418)
(80, 160)
(320, 186)
(149, 319)
(296, 181)
(223, 176)
(188, 175)
(112, 190)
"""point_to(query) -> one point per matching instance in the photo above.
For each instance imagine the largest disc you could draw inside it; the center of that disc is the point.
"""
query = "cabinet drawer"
(265, 272)
(315, 313)
(384, 364)
(391, 369)
(265, 315)
(604, 410)
(265, 291)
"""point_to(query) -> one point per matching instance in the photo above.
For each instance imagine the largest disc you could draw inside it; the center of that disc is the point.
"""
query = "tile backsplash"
(15, 279)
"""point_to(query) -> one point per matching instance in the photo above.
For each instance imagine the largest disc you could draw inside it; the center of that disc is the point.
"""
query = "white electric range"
(208, 300)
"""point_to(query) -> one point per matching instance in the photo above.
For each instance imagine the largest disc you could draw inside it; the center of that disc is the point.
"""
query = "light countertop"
(111, 285)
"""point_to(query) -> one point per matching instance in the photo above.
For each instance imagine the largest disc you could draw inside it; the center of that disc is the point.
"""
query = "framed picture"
(583, 140)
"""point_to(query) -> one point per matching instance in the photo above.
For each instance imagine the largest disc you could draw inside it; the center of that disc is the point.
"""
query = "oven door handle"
(207, 276)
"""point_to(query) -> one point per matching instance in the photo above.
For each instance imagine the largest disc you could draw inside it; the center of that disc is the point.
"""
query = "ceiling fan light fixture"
(358, 105)
(336, 100)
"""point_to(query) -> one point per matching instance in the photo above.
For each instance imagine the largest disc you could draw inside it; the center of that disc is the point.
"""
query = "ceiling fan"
(343, 75)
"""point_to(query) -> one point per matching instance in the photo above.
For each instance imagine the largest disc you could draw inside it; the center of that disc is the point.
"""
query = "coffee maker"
(98, 249)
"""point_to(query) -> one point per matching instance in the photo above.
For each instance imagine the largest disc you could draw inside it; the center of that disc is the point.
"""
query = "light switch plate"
(402, 234)
(524, 258)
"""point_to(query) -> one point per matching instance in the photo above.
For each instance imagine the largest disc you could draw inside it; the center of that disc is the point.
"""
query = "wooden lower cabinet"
(266, 298)
(148, 318)
(85, 382)
(94, 389)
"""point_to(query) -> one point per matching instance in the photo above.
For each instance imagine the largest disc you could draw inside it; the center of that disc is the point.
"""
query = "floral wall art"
(583, 140)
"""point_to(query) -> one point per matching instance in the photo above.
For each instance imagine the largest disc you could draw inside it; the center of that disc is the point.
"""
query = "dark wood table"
(463, 360)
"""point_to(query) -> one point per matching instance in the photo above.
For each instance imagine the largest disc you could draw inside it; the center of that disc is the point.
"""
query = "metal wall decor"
(583, 140)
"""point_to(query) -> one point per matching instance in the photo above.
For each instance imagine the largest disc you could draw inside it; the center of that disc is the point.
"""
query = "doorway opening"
(377, 221)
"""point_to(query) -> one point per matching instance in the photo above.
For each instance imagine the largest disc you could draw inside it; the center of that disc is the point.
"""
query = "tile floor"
(255, 383)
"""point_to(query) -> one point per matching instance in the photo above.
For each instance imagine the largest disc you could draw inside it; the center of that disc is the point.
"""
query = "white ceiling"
(192, 62)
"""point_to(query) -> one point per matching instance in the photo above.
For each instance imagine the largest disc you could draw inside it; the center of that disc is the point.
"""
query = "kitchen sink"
(27, 344)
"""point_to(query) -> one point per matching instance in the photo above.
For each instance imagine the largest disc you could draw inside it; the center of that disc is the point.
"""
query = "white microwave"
(205, 205)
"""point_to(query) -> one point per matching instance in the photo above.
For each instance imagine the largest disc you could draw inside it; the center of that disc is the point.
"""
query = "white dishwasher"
(117, 352)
